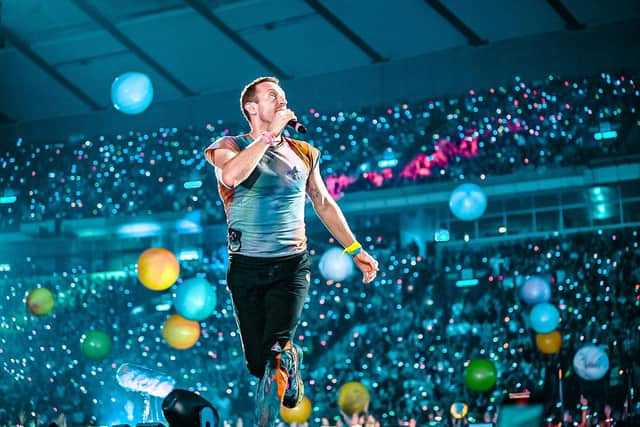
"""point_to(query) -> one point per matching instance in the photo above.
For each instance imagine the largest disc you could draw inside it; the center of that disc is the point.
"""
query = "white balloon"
(591, 363)
(535, 290)
(336, 266)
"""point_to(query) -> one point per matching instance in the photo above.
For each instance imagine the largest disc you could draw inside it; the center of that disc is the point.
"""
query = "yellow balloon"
(299, 414)
(549, 343)
(353, 398)
(158, 269)
(40, 301)
(180, 333)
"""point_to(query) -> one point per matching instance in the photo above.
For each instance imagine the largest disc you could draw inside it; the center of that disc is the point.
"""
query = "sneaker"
(290, 360)
(267, 398)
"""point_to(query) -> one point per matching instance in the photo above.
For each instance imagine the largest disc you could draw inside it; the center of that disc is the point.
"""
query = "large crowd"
(407, 337)
(529, 126)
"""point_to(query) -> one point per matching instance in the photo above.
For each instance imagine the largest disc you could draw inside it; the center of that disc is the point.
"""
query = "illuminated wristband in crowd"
(353, 249)
(268, 137)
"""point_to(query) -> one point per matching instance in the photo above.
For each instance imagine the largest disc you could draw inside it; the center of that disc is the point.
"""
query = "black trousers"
(268, 295)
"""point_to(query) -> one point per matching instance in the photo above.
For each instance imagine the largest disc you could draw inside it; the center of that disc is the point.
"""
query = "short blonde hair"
(248, 94)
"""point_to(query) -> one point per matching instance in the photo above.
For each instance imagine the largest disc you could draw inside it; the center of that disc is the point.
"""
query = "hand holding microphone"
(283, 118)
(280, 120)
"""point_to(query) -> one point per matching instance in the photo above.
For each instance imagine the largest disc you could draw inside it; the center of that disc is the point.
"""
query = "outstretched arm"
(330, 214)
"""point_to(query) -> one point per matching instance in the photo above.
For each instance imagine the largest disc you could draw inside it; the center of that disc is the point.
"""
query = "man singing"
(263, 177)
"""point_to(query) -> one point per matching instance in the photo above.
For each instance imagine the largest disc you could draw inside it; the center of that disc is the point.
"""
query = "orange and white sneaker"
(290, 385)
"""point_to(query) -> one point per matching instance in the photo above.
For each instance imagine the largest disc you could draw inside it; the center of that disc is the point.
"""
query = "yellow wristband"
(353, 249)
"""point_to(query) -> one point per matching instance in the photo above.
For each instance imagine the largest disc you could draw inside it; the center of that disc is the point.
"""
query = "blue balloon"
(336, 266)
(535, 290)
(468, 202)
(195, 299)
(131, 93)
(544, 318)
(591, 363)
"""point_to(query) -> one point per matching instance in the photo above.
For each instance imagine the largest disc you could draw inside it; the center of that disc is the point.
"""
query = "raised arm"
(234, 166)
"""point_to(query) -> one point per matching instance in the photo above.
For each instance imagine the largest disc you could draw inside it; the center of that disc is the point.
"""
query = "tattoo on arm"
(314, 194)
(316, 190)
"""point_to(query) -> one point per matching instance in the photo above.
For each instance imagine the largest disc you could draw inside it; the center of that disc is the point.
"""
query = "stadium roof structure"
(59, 57)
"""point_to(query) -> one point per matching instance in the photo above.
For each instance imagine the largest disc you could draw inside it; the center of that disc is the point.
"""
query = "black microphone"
(297, 126)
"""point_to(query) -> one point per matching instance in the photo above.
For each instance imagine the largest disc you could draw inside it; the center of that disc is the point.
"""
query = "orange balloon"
(180, 333)
(549, 343)
(299, 414)
(353, 398)
(158, 269)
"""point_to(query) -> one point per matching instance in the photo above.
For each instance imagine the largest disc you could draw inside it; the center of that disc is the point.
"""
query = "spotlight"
(183, 408)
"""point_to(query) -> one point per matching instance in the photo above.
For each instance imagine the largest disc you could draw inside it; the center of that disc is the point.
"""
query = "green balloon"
(96, 345)
(480, 375)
